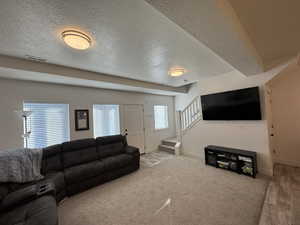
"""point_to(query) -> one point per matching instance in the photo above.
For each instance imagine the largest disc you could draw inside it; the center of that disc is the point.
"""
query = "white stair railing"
(191, 114)
(186, 119)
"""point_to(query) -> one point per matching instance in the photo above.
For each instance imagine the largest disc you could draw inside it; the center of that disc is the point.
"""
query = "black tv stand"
(235, 160)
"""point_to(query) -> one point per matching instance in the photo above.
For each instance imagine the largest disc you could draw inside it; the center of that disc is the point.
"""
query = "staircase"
(190, 115)
(170, 145)
(186, 119)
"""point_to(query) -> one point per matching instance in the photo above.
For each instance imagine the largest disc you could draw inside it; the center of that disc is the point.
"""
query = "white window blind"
(48, 123)
(161, 117)
(106, 120)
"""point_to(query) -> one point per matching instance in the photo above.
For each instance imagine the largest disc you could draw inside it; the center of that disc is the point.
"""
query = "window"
(48, 123)
(161, 117)
(106, 120)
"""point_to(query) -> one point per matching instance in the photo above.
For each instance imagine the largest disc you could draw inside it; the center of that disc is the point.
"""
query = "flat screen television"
(243, 104)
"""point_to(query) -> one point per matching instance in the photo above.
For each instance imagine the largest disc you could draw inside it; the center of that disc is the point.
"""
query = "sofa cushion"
(110, 145)
(58, 179)
(78, 152)
(52, 159)
(42, 211)
(82, 172)
(113, 174)
(117, 162)
(82, 186)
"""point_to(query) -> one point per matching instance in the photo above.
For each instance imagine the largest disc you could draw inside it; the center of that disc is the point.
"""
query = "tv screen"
(241, 104)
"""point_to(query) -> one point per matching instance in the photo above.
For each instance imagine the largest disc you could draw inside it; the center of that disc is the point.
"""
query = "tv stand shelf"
(236, 160)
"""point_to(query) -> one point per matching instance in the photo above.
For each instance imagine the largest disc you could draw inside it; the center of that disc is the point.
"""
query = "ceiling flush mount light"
(76, 39)
(177, 71)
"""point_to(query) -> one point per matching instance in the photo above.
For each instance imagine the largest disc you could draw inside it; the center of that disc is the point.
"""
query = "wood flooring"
(282, 202)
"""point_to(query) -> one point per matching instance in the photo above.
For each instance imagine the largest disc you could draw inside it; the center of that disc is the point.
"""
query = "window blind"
(161, 117)
(106, 120)
(48, 123)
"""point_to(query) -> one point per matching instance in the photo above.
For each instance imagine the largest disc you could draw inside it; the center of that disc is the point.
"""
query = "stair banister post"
(179, 128)
(178, 124)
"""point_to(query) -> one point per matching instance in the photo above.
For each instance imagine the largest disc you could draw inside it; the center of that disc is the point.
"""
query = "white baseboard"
(266, 171)
(287, 162)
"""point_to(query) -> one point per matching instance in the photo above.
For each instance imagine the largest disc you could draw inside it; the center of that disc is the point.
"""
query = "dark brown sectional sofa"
(69, 168)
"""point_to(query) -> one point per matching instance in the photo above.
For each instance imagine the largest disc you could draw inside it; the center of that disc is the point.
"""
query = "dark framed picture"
(82, 119)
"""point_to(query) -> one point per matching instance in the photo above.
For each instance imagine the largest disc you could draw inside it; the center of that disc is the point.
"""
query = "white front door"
(132, 117)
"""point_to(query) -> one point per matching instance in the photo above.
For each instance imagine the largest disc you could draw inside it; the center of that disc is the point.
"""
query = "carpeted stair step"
(167, 148)
(169, 142)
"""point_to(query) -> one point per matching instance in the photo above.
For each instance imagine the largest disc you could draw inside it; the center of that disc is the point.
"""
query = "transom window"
(161, 117)
(48, 123)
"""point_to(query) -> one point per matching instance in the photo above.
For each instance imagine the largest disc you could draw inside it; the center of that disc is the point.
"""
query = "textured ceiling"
(130, 39)
(273, 27)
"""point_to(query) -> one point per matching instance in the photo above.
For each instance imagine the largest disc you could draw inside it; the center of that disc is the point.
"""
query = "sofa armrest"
(26, 194)
(18, 197)
(132, 150)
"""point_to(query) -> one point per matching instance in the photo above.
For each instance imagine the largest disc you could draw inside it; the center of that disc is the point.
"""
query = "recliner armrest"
(26, 194)
(18, 197)
(132, 150)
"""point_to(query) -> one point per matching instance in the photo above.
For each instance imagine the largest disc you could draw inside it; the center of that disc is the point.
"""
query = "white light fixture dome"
(177, 71)
(76, 39)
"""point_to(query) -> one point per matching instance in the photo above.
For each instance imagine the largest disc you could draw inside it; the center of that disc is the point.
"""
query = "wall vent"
(34, 58)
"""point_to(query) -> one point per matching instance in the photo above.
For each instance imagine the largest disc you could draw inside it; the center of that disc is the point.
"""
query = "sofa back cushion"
(52, 159)
(111, 145)
(79, 152)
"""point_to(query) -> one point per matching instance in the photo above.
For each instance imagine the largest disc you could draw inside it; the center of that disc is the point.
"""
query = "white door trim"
(122, 124)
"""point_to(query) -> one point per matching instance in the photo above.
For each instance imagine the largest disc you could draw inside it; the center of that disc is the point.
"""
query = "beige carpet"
(154, 158)
(177, 191)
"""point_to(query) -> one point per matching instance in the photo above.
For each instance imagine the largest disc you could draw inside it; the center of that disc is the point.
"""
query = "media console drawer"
(236, 160)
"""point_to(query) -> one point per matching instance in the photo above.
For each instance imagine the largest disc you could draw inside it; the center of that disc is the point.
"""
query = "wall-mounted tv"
(243, 104)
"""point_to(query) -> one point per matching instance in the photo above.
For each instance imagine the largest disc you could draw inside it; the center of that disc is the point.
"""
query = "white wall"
(285, 106)
(13, 93)
(248, 135)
